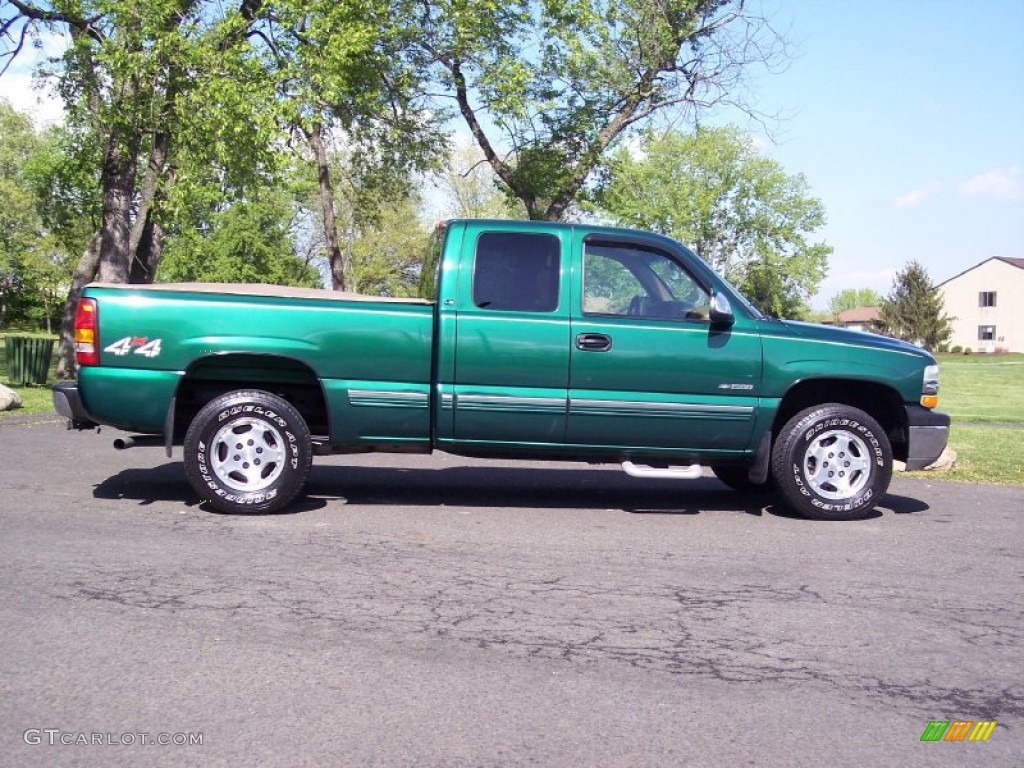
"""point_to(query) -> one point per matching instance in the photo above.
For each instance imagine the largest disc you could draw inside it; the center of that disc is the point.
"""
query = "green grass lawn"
(985, 454)
(983, 393)
(982, 388)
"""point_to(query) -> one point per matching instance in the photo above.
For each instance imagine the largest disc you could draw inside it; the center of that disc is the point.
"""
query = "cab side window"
(517, 271)
(633, 281)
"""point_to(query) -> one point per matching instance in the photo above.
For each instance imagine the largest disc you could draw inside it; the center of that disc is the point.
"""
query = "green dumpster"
(28, 359)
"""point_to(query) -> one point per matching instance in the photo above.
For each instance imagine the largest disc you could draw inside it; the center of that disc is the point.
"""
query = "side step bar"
(691, 472)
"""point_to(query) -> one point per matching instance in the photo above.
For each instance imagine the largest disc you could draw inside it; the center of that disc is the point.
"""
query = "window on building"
(517, 271)
(987, 299)
(986, 333)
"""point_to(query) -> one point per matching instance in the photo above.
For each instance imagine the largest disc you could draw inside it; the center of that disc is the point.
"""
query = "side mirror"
(721, 310)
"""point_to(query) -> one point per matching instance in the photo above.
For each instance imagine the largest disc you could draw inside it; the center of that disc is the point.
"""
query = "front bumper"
(68, 403)
(927, 435)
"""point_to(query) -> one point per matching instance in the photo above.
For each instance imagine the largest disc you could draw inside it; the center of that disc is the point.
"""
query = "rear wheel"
(832, 462)
(248, 451)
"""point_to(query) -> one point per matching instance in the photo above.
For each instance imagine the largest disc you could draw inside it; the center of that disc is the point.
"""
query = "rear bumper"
(927, 435)
(68, 403)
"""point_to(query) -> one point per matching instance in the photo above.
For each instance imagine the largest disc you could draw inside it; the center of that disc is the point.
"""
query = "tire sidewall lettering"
(864, 432)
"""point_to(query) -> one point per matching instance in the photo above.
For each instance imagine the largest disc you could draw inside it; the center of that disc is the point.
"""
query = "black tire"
(267, 465)
(832, 462)
(736, 476)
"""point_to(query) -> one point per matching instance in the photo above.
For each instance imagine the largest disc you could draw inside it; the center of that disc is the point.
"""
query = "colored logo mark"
(958, 730)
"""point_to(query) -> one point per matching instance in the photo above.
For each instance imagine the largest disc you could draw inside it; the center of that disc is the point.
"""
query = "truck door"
(512, 337)
(648, 369)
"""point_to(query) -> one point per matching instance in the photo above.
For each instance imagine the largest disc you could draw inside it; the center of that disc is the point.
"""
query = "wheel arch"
(213, 375)
(883, 403)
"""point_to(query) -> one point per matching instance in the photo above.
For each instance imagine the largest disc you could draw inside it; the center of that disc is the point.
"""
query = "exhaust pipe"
(124, 443)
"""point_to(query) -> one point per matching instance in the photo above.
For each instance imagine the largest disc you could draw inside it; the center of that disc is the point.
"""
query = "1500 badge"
(141, 345)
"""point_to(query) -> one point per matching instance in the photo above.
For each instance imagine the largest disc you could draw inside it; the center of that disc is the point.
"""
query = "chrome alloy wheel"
(837, 464)
(247, 454)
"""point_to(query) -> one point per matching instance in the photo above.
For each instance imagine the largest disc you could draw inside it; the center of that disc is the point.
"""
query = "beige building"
(986, 303)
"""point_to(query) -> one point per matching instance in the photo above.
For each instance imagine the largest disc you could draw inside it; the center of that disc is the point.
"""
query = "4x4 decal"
(141, 345)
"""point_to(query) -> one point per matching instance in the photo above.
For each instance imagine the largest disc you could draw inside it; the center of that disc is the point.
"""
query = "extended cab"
(531, 340)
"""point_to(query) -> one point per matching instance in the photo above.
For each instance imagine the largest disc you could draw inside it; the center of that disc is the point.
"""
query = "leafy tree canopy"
(248, 242)
(34, 262)
(740, 211)
(548, 88)
(852, 298)
(386, 255)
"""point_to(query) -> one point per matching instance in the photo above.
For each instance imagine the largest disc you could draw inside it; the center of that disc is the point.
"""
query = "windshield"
(753, 311)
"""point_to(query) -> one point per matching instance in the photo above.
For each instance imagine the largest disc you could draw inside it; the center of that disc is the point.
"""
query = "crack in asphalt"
(406, 589)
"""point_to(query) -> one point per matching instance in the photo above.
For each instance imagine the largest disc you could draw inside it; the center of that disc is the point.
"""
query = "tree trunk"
(148, 252)
(146, 240)
(84, 274)
(335, 257)
(118, 183)
(144, 257)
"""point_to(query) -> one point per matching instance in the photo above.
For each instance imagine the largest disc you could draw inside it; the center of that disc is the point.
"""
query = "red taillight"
(87, 333)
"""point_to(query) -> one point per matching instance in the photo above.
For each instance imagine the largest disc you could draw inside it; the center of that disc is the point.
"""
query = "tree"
(46, 270)
(853, 298)
(739, 210)
(34, 258)
(64, 175)
(343, 75)
(245, 242)
(473, 191)
(167, 92)
(385, 256)
(913, 310)
(185, 103)
(547, 88)
(20, 227)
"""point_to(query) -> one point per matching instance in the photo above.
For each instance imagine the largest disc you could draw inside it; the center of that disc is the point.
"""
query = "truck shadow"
(483, 486)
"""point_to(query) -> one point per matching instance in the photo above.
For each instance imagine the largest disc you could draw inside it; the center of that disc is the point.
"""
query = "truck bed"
(369, 356)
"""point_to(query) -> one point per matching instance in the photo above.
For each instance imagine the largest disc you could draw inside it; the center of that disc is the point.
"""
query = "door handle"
(593, 342)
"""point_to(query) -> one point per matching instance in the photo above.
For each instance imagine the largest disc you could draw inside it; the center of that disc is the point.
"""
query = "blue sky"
(907, 119)
(905, 116)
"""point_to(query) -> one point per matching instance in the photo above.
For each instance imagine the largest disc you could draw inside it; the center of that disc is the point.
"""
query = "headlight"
(930, 387)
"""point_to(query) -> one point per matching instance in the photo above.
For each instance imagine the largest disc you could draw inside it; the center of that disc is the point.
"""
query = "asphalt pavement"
(439, 611)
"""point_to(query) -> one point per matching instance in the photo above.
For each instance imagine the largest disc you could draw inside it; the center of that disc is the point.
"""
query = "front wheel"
(248, 451)
(832, 462)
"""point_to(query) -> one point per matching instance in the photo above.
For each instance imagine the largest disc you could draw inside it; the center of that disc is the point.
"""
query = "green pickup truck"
(531, 340)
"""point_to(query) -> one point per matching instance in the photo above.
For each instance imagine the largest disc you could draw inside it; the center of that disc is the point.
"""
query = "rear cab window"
(517, 271)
